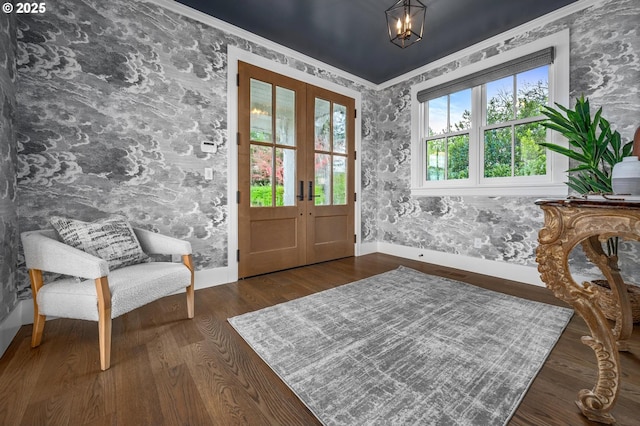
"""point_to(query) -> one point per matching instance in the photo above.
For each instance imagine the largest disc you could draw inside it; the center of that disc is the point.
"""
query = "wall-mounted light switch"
(208, 173)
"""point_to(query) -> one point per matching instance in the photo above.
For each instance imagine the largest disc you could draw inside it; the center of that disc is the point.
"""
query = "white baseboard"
(22, 312)
(367, 248)
(510, 271)
(212, 277)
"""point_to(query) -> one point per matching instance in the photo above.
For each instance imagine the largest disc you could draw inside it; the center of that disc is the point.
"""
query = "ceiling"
(352, 35)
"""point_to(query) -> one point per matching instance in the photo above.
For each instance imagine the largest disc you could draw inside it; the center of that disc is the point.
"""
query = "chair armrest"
(47, 254)
(154, 243)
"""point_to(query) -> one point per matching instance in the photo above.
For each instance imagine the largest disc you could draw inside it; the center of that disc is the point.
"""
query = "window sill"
(550, 190)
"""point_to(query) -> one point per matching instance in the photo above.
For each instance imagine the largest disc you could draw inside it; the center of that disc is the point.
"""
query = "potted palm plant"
(595, 149)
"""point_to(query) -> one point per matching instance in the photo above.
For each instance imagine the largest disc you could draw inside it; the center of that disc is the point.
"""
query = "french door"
(295, 173)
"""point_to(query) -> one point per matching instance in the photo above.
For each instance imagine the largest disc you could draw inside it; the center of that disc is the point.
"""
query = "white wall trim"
(522, 29)
(211, 277)
(10, 325)
(550, 184)
(508, 271)
(235, 54)
(368, 248)
(249, 36)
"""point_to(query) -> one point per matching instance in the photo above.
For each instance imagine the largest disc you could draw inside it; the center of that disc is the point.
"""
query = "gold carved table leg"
(609, 267)
(564, 229)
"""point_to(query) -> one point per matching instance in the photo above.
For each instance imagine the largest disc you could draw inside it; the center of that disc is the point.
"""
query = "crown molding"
(211, 21)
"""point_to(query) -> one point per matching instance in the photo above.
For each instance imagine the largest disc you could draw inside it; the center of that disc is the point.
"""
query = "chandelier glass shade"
(405, 22)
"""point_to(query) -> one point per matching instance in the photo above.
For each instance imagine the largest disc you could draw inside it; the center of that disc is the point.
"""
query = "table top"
(594, 201)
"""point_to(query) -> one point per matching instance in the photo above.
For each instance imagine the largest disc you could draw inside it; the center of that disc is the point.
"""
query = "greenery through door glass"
(273, 162)
(330, 158)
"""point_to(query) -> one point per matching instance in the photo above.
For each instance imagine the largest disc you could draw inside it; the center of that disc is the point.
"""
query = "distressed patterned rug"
(404, 347)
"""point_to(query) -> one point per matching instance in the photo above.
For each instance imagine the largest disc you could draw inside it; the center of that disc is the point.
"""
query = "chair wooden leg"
(38, 320)
(38, 329)
(187, 259)
(104, 321)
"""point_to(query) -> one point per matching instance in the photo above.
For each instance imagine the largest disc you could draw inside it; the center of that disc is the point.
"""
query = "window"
(447, 139)
(512, 127)
(476, 131)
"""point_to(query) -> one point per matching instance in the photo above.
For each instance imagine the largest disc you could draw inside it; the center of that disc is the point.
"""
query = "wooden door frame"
(234, 55)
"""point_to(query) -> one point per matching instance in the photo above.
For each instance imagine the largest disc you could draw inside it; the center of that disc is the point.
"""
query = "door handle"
(311, 196)
(301, 192)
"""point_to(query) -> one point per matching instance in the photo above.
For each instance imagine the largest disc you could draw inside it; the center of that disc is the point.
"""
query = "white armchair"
(100, 294)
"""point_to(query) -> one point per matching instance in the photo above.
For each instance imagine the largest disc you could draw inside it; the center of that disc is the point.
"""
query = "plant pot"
(609, 303)
(625, 177)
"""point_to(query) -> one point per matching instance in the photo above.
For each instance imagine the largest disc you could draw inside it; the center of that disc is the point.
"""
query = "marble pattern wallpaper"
(605, 67)
(114, 99)
(8, 157)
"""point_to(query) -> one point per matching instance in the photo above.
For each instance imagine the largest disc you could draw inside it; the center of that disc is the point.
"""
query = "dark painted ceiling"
(352, 35)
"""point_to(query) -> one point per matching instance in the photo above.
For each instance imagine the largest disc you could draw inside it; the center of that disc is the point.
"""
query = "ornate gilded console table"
(568, 223)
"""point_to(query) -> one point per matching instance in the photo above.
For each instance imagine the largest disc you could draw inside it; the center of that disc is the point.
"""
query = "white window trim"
(551, 185)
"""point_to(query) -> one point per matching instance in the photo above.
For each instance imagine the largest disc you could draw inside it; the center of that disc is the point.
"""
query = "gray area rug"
(404, 347)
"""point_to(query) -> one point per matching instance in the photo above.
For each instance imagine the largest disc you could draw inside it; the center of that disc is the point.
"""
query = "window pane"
(322, 190)
(437, 116)
(533, 91)
(436, 158)
(339, 180)
(285, 177)
(261, 111)
(322, 121)
(530, 158)
(285, 116)
(339, 128)
(497, 152)
(460, 110)
(500, 100)
(458, 158)
(261, 174)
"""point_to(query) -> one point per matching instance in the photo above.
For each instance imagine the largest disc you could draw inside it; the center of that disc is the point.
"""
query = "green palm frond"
(592, 145)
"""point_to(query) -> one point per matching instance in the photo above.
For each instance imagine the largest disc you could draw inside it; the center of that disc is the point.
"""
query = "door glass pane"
(500, 100)
(285, 116)
(285, 177)
(530, 158)
(261, 111)
(437, 124)
(458, 157)
(533, 91)
(497, 152)
(261, 175)
(339, 128)
(322, 123)
(339, 180)
(322, 189)
(436, 158)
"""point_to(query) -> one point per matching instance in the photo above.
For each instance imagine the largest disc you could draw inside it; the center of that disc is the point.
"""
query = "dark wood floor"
(168, 370)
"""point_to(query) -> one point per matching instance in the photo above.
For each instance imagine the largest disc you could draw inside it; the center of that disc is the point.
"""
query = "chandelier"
(405, 21)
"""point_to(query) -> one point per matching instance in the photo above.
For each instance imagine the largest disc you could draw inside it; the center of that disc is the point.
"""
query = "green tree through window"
(509, 135)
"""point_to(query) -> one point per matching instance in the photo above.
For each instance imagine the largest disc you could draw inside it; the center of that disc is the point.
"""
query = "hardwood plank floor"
(166, 369)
